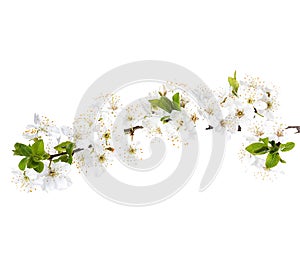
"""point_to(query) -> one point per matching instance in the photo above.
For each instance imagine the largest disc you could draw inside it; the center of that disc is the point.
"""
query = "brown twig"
(297, 127)
(131, 130)
(63, 153)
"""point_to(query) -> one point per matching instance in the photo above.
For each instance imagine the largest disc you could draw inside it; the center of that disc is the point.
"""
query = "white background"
(52, 51)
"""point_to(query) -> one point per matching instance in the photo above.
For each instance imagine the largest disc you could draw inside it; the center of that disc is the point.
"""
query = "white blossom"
(27, 181)
(67, 132)
(268, 106)
(56, 177)
(42, 126)
(228, 124)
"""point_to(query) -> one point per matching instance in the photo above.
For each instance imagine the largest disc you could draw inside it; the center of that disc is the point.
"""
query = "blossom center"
(26, 178)
(239, 113)
(102, 158)
(210, 111)
(250, 101)
(106, 135)
(279, 133)
(269, 105)
(53, 173)
(194, 118)
(158, 130)
(132, 150)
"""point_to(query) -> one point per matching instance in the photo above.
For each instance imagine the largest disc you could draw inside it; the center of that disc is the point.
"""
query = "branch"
(63, 153)
(132, 129)
(297, 127)
(211, 127)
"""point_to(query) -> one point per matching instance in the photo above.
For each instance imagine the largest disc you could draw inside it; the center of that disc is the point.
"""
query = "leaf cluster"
(272, 149)
(65, 149)
(33, 155)
(166, 104)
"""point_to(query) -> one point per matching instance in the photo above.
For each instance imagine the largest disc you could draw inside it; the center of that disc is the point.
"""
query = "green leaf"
(287, 146)
(234, 84)
(154, 103)
(257, 148)
(22, 150)
(38, 148)
(23, 164)
(31, 163)
(264, 140)
(274, 149)
(166, 104)
(45, 156)
(176, 106)
(165, 119)
(176, 102)
(272, 160)
(70, 159)
(62, 147)
(69, 148)
(64, 158)
(176, 98)
(40, 167)
(282, 161)
(163, 103)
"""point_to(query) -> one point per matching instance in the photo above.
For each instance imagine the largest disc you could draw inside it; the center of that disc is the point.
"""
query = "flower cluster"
(46, 160)
(248, 107)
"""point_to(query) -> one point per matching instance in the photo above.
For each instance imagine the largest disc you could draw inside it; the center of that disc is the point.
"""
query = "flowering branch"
(246, 106)
(245, 103)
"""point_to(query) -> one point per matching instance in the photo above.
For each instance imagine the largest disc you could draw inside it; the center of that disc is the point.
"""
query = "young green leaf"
(32, 163)
(272, 160)
(176, 98)
(287, 146)
(257, 148)
(264, 140)
(163, 103)
(62, 147)
(70, 159)
(38, 148)
(22, 150)
(69, 148)
(234, 84)
(165, 119)
(282, 161)
(40, 167)
(64, 158)
(176, 106)
(176, 102)
(154, 103)
(45, 156)
(23, 163)
(274, 149)
(166, 104)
